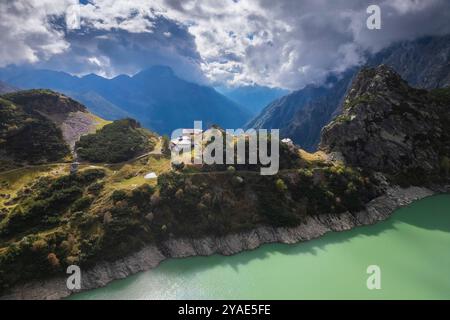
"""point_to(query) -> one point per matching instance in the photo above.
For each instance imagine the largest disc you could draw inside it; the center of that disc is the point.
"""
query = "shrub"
(445, 165)
(39, 245)
(118, 195)
(231, 169)
(165, 148)
(116, 142)
(53, 260)
(82, 204)
(281, 186)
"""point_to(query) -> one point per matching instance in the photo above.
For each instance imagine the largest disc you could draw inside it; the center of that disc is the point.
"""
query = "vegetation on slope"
(44, 101)
(115, 142)
(109, 211)
(390, 127)
(27, 136)
(96, 214)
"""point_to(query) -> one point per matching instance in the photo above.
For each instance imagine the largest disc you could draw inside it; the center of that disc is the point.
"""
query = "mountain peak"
(388, 126)
(157, 70)
(375, 80)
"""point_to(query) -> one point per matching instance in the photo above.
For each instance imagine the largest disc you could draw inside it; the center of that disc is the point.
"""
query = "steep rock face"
(306, 123)
(285, 107)
(424, 63)
(388, 126)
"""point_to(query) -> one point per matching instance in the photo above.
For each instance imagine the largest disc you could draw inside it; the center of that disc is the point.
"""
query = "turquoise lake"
(412, 249)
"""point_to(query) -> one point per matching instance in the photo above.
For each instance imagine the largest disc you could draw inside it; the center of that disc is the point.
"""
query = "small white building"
(287, 141)
(180, 142)
(191, 132)
(150, 175)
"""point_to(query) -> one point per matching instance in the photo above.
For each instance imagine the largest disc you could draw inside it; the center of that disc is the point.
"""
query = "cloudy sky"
(284, 43)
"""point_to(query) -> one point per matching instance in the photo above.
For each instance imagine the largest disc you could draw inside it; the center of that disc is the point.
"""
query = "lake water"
(412, 249)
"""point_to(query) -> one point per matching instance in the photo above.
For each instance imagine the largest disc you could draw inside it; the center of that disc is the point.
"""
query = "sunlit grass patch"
(99, 122)
(14, 180)
(318, 156)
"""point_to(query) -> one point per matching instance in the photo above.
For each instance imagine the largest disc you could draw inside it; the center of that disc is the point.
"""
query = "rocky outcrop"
(388, 126)
(150, 256)
(301, 114)
(40, 126)
(423, 63)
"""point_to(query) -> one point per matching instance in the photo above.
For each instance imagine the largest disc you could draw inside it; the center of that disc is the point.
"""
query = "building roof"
(150, 175)
(191, 131)
(184, 140)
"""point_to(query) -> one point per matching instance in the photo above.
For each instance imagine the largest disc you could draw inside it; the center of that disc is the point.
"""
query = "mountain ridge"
(39, 126)
(414, 60)
(156, 96)
(386, 125)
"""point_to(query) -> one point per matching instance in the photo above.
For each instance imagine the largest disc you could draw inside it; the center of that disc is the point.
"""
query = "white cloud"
(25, 32)
(292, 43)
(286, 43)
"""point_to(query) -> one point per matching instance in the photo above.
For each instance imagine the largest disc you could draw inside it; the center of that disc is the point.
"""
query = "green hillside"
(115, 142)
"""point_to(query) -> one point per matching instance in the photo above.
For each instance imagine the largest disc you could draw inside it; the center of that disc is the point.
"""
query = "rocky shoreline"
(150, 256)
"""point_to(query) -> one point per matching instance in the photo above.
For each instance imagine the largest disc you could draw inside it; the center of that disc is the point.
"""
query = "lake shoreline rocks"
(151, 256)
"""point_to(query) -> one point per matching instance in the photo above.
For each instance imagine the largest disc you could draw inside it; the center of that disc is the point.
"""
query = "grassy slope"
(118, 210)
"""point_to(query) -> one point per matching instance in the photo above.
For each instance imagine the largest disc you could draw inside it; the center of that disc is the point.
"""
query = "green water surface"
(412, 249)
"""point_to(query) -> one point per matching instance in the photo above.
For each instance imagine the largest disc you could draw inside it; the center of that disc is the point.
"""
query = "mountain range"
(6, 88)
(156, 96)
(388, 126)
(301, 115)
(253, 97)
(163, 102)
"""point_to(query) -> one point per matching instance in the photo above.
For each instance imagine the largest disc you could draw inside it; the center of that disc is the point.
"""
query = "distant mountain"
(253, 98)
(424, 63)
(6, 88)
(156, 96)
(301, 114)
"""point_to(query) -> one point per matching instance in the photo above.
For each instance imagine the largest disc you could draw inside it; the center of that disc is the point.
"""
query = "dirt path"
(155, 151)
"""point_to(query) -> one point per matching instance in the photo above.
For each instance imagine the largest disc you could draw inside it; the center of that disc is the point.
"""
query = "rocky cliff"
(424, 63)
(39, 126)
(388, 126)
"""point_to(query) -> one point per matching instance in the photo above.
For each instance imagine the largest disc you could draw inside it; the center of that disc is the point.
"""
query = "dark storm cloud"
(286, 43)
(110, 53)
